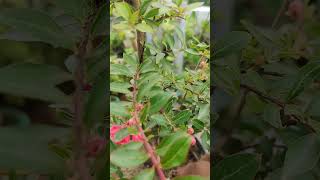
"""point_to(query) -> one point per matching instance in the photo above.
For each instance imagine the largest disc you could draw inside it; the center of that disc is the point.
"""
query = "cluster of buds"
(296, 10)
(131, 137)
(191, 131)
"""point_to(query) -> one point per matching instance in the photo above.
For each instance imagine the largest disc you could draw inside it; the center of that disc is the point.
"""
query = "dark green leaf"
(34, 81)
(182, 117)
(227, 79)
(37, 26)
(189, 178)
(230, 43)
(302, 155)
(26, 149)
(305, 77)
(237, 166)
(271, 115)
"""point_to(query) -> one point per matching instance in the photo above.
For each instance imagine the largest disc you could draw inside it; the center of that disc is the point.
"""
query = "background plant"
(266, 91)
(143, 75)
(63, 45)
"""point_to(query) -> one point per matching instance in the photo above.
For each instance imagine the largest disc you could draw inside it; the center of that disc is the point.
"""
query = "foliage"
(171, 101)
(271, 77)
(29, 149)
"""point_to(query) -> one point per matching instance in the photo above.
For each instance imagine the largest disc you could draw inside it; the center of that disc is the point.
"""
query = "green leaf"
(119, 109)
(26, 149)
(121, 134)
(143, 27)
(182, 117)
(193, 6)
(37, 26)
(120, 87)
(159, 119)
(173, 149)
(132, 61)
(305, 77)
(158, 102)
(76, 8)
(230, 43)
(253, 79)
(100, 23)
(123, 9)
(145, 88)
(302, 155)
(227, 79)
(133, 145)
(237, 166)
(34, 81)
(119, 69)
(96, 107)
(146, 174)
(271, 114)
(189, 178)
(204, 112)
(153, 12)
(128, 158)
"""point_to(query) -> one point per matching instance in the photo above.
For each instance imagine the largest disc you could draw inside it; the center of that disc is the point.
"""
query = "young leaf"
(231, 42)
(36, 81)
(37, 25)
(305, 77)
(147, 174)
(128, 158)
(123, 9)
(237, 166)
(143, 27)
(173, 149)
(152, 13)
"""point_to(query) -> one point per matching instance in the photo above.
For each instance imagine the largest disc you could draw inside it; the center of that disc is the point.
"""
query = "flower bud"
(190, 131)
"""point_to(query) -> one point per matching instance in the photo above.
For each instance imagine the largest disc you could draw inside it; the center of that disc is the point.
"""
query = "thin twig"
(280, 12)
(269, 98)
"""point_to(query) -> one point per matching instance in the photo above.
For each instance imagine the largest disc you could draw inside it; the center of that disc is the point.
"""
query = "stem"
(81, 165)
(153, 157)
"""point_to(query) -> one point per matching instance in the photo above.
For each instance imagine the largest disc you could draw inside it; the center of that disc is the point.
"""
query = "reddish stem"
(153, 157)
